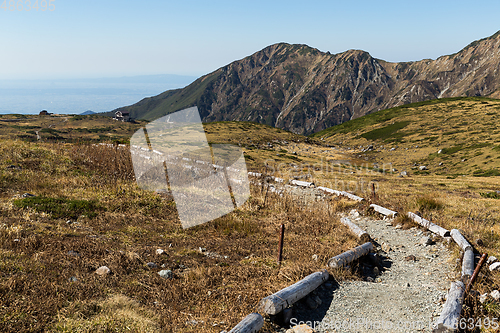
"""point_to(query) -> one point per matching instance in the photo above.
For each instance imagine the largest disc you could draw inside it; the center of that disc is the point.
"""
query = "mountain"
(88, 112)
(304, 90)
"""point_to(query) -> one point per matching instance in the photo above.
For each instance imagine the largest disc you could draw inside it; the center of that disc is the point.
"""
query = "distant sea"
(74, 96)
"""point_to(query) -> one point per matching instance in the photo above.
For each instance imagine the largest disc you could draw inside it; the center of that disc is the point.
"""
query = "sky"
(111, 38)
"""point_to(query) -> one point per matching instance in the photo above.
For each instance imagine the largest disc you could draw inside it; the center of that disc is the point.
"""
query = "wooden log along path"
(388, 286)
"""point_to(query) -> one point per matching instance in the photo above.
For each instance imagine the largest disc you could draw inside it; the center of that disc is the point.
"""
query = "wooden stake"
(280, 245)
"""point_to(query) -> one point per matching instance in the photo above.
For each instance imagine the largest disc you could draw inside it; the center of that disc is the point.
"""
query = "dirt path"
(403, 294)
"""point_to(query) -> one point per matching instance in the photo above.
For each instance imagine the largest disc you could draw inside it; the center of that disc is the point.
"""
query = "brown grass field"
(45, 287)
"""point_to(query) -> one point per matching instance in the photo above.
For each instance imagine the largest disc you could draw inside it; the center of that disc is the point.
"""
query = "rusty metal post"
(373, 190)
(476, 272)
(280, 246)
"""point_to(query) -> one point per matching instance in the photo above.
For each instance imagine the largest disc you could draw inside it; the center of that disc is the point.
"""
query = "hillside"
(449, 136)
(304, 90)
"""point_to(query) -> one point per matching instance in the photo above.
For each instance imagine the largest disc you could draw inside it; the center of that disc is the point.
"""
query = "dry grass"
(36, 293)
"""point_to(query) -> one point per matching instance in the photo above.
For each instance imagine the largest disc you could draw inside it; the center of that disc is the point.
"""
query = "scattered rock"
(73, 279)
(410, 258)
(313, 302)
(440, 151)
(354, 213)
(495, 266)
(300, 329)
(74, 253)
(386, 248)
(441, 163)
(422, 167)
(369, 279)
(315, 257)
(399, 226)
(152, 265)
(202, 249)
(159, 251)
(404, 173)
(166, 274)
(103, 270)
(483, 298)
(426, 241)
(28, 195)
(491, 260)
(495, 294)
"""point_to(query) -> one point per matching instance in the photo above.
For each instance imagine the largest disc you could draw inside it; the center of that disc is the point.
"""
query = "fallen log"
(467, 265)
(279, 301)
(329, 190)
(349, 256)
(448, 320)
(384, 211)
(250, 324)
(343, 193)
(429, 225)
(360, 233)
(460, 240)
(301, 183)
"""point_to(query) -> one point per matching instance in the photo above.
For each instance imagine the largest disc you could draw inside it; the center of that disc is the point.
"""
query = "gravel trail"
(403, 294)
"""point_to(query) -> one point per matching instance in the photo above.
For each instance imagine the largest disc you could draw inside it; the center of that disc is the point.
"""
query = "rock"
(354, 213)
(495, 294)
(483, 298)
(441, 163)
(495, 266)
(73, 279)
(422, 167)
(369, 279)
(386, 248)
(426, 241)
(103, 270)
(166, 274)
(440, 151)
(73, 253)
(399, 226)
(491, 260)
(159, 251)
(152, 265)
(376, 270)
(404, 173)
(202, 249)
(410, 258)
(479, 242)
(287, 315)
(315, 257)
(300, 329)
(28, 195)
(313, 302)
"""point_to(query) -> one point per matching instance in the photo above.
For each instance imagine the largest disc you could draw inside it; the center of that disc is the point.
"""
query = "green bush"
(59, 207)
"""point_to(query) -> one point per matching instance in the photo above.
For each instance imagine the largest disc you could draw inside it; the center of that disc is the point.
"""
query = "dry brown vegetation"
(130, 224)
(36, 289)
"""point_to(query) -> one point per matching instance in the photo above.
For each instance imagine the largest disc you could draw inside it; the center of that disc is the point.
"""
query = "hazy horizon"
(74, 96)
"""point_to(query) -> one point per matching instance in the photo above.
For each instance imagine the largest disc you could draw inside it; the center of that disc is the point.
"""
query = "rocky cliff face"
(303, 90)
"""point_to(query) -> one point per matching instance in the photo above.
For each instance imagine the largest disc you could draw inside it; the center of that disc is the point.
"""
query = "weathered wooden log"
(351, 196)
(384, 211)
(279, 301)
(301, 183)
(349, 256)
(250, 324)
(450, 316)
(467, 265)
(329, 190)
(360, 233)
(460, 240)
(429, 225)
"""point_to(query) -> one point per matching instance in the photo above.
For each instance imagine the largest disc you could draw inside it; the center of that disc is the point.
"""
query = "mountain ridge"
(301, 89)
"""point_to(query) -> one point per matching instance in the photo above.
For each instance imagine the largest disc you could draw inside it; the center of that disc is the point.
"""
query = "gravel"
(404, 294)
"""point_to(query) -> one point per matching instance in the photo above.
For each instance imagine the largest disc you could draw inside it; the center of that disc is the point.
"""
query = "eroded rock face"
(304, 90)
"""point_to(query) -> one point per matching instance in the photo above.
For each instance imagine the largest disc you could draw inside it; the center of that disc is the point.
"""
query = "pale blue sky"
(109, 38)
